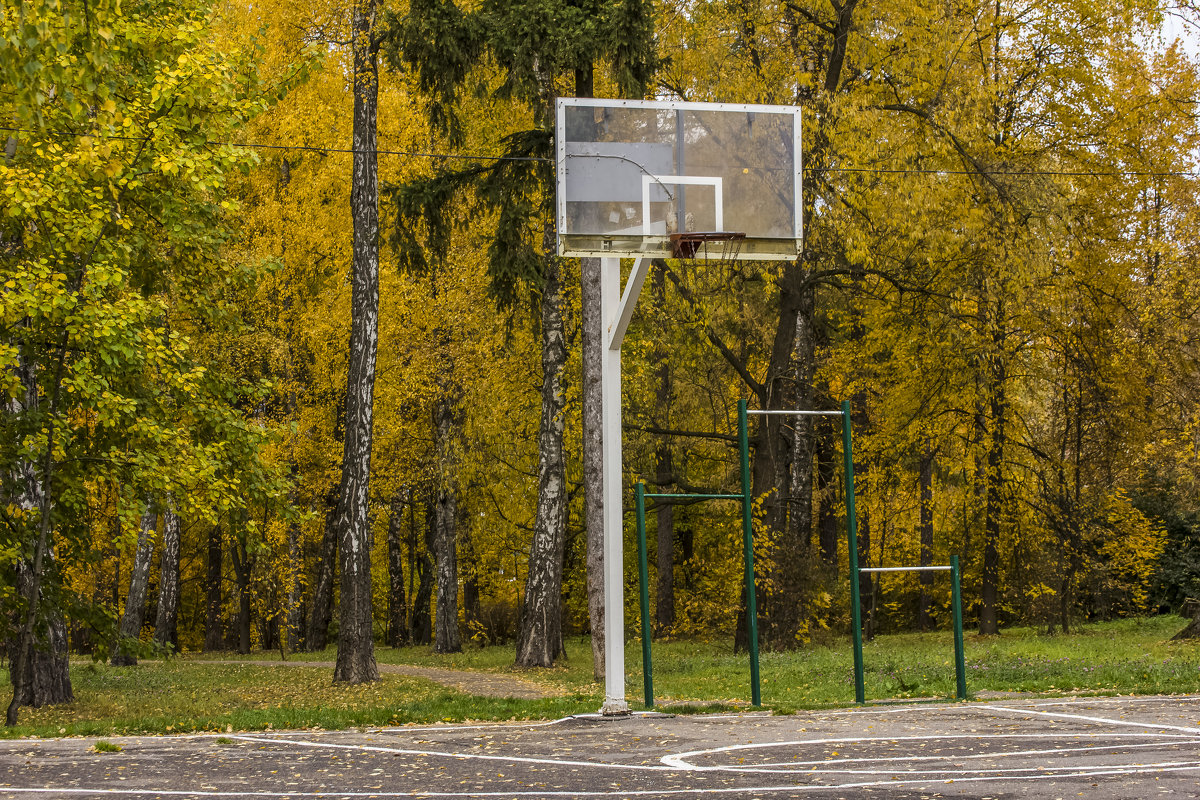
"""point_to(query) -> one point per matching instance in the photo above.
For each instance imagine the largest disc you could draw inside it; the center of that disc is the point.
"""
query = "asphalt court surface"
(1093, 747)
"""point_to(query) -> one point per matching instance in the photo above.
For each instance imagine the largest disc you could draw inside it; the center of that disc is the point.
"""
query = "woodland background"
(1001, 222)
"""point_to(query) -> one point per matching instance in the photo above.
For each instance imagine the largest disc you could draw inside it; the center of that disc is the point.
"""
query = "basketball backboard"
(632, 172)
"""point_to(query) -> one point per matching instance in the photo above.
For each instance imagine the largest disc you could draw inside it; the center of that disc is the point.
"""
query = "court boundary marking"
(1162, 734)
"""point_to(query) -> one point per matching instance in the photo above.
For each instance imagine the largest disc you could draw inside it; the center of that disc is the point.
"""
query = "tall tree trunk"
(48, 680)
(165, 632)
(592, 398)
(791, 558)
(924, 619)
(664, 518)
(293, 635)
(243, 565)
(446, 638)
(321, 613)
(828, 527)
(998, 406)
(540, 639)
(38, 667)
(592, 391)
(214, 636)
(135, 602)
(356, 645)
(397, 625)
(422, 626)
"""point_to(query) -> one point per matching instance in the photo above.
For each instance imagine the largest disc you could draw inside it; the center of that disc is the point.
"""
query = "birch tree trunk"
(168, 583)
(445, 542)
(397, 624)
(593, 455)
(540, 638)
(39, 675)
(135, 601)
(356, 647)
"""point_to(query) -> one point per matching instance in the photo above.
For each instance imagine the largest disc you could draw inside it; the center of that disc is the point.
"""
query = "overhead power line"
(485, 157)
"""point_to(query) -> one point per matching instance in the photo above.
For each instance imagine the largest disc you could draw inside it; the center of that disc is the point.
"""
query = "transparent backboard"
(632, 172)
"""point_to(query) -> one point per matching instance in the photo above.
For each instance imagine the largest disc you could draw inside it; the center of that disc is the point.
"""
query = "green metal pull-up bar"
(640, 495)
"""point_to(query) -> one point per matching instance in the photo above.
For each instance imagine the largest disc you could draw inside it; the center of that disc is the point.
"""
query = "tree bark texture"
(664, 557)
(592, 393)
(447, 638)
(168, 583)
(135, 601)
(421, 624)
(292, 636)
(356, 646)
(243, 567)
(989, 594)
(540, 638)
(47, 680)
(397, 619)
(924, 618)
(214, 638)
(321, 613)
(790, 559)
(828, 526)
(38, 653)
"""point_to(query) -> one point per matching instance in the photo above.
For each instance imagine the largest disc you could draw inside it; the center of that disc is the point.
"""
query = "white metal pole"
(614, 603)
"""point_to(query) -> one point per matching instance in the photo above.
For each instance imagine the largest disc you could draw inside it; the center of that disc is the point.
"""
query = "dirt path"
(484, 684)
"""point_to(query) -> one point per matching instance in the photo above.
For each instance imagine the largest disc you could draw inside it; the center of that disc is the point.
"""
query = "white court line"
(1000, 754)
(819, 789)
(1113, 699)
(460, 756)
(1195, 731)
(958, 775)
(679, 760)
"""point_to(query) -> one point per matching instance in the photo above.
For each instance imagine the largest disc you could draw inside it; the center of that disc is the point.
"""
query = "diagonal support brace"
(633, 287)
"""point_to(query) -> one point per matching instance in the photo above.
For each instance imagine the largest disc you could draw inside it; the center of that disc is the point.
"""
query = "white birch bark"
(356, 646)
(135, 602)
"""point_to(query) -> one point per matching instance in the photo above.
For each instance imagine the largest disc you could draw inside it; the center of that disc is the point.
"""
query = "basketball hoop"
(706, 243)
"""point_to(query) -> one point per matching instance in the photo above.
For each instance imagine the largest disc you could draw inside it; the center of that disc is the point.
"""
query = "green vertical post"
(852, 548)
(748, 546)
(960, 661)
(639, 496)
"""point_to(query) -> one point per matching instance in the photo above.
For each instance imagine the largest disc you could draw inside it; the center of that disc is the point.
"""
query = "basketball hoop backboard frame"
(630, 173)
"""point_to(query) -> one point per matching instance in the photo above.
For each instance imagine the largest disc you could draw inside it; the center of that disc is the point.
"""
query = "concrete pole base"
(614, 708)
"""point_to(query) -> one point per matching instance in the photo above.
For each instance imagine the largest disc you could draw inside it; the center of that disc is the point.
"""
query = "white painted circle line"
(708, 790)
(679, 760)
(999, 755)
(959, 774)
(1195, 731)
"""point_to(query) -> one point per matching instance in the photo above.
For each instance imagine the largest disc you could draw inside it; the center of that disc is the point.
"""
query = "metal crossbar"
(697, 496)
(784, 413)
(945, 568)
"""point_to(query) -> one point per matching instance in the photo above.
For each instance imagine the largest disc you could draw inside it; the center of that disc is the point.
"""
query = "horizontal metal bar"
(783, 413)
(906, 569)
(699, 496)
